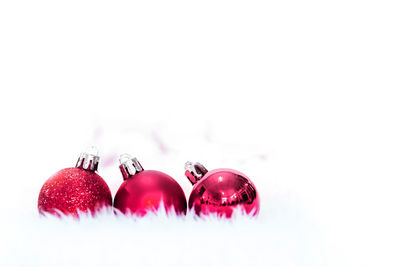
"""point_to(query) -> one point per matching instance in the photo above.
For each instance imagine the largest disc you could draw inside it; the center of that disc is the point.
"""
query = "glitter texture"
(73, 190)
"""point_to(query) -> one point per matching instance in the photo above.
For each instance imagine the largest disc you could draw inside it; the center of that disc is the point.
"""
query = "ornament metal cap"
(129, 166)
(89, 160)
(194, 171)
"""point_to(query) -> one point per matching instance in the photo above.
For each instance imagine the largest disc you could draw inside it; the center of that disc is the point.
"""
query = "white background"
(302, 96)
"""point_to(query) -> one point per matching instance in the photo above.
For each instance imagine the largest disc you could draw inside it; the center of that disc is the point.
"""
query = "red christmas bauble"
(221, 191)
(145, 191)
(74, 190)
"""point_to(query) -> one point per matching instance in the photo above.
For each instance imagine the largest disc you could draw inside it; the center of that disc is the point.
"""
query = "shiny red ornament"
(144, 191)
(221, 191)
(74, 190)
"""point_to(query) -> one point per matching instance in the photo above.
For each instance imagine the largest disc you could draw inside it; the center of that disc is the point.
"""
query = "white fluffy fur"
(160, 240)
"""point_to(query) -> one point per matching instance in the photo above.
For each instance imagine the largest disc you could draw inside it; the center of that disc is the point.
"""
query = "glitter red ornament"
(74, 190)
(221, 191)
(144, 191)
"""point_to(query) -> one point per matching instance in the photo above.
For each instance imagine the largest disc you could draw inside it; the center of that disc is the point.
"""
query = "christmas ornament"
(220, 191)
(74, 190)
(144, 191)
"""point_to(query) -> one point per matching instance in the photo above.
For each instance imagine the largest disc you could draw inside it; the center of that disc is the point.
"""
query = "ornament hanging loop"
(88, 160)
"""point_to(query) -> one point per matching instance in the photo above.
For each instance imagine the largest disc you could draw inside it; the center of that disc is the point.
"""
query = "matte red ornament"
(143, 191)
(74, 190)
(221, 191)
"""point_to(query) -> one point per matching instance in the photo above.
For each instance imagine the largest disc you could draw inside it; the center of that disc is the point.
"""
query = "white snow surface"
(301, 96)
